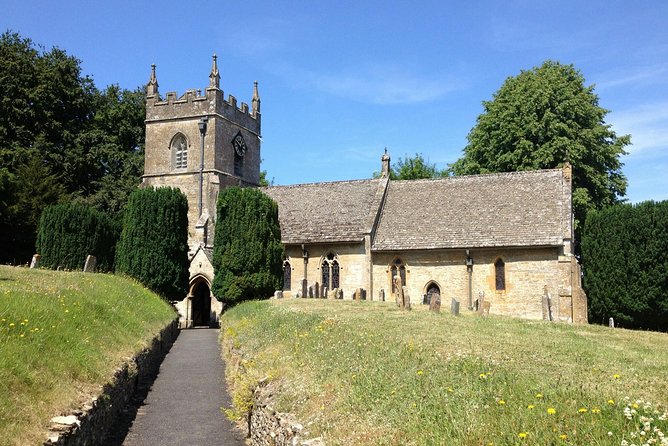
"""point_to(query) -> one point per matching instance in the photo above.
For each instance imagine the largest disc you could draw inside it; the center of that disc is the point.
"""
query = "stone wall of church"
(352, 266)
(527, 273)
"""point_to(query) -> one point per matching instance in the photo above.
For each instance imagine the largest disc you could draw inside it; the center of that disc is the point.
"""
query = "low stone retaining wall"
(90, 425)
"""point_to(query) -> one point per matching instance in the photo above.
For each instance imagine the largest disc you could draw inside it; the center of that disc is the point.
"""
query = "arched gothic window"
(330, 272)
(399, 268)
(287, 275)
(179, 152)
(500, 274)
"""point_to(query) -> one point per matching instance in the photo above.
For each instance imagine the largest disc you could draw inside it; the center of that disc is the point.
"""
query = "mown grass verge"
(62, 335)
(368, 373)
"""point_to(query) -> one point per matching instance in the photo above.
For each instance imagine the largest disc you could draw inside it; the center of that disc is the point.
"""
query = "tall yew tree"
(541, 119)
(247, 253)
(153, 247)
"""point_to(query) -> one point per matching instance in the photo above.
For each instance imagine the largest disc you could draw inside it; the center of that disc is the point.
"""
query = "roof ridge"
(320, 183)
(478, 175)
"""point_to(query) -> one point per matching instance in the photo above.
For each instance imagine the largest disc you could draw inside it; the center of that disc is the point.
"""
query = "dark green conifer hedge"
(248, 253)
(69, 232)
(153, 247)
(625, 265)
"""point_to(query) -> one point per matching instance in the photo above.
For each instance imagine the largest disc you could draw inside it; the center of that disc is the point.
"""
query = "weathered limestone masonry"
(201, 143)
(91, 425)
(503, 238)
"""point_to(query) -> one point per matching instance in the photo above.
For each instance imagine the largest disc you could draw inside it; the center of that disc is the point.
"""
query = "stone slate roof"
(326, 212)
(506, 209)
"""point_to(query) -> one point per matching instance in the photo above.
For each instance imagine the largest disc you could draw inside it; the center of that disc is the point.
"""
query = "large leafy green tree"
(153, 246)
(60, 139)
(248, 253)
(543, 118)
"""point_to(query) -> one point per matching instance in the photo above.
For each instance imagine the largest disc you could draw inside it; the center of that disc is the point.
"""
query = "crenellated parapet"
(196, 103)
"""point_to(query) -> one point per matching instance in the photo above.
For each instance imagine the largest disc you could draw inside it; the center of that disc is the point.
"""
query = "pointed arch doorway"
(201, 304)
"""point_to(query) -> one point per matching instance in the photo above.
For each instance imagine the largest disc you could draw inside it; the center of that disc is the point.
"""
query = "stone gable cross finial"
(214, 77)
(152, 86)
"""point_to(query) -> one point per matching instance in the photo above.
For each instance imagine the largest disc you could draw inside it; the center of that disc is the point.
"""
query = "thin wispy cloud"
(642, 75)
(647, 125)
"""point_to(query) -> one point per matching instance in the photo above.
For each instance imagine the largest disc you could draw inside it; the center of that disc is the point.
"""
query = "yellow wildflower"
(522, 435)
(563, 436)
(582, 410)
(530, 406)
(419, 372)
(616, 376)
(539, 395)
(596, 410)
(551, 410)
(501, 402)
(611, 402)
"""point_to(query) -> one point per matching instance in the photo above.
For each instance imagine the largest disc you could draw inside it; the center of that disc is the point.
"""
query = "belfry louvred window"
(180, 151)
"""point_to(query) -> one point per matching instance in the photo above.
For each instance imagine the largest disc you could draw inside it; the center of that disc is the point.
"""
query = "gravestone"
(407, 298)
(317, 290)
(91, 263)
(454, 306)
(34, 263)
(399, 295)
(339, 294)
(357, 295)
(611, 323)
(481, 302)
(278, 294)
(298, 294)
(304, 288)
(381, 295)
(362, 294)
(325, 292)
(310, 291)
(435, 302)
(485, 308)
(547, 305)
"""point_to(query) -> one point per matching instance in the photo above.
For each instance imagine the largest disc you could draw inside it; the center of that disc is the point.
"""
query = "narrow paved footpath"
(184, 405)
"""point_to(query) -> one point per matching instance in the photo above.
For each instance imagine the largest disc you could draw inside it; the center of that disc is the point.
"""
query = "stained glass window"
(335, 274)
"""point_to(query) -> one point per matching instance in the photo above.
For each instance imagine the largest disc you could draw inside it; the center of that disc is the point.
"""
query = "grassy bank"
(367, 373)
(62, 335)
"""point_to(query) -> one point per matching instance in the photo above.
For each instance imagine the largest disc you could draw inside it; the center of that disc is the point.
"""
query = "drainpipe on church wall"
(469, 270)
(202, 130)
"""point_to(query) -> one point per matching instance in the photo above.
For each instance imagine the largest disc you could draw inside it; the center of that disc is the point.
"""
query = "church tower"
(200, 143)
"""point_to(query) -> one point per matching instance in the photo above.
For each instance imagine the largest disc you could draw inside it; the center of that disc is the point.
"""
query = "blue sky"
(341, 80)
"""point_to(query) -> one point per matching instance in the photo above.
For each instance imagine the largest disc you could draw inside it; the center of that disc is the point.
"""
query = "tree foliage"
(61, 139)
(541, 119)
(69, 232)
(412, 168)
(248, 253)
(153, 246)
(625, 264)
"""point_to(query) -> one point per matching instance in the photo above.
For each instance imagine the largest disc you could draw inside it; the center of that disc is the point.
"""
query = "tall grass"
(368, 373)
(62, 335)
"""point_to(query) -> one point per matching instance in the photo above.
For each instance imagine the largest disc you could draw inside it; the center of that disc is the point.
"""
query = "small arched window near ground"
(179, 150)
(287, 275)
(432, 290)
(500, 274)
(330, 271)
(397, 267)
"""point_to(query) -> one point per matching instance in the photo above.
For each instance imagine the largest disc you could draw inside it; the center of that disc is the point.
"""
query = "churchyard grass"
(62, 335)
(368, 373)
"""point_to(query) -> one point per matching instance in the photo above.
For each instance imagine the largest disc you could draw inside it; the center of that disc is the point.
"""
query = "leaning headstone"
(611, 323)
(304, 288)
(381, 295)
(435, 302)
(316, 289)
(278, 294)
(407, 298)
(91, 263)
(310, 291)
(485, 308)
(481, 302)
(454, 306)
(339, 294)
(34, 263)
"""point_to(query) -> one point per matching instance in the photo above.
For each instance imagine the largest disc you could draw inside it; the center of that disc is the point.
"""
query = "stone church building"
(504, 239)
